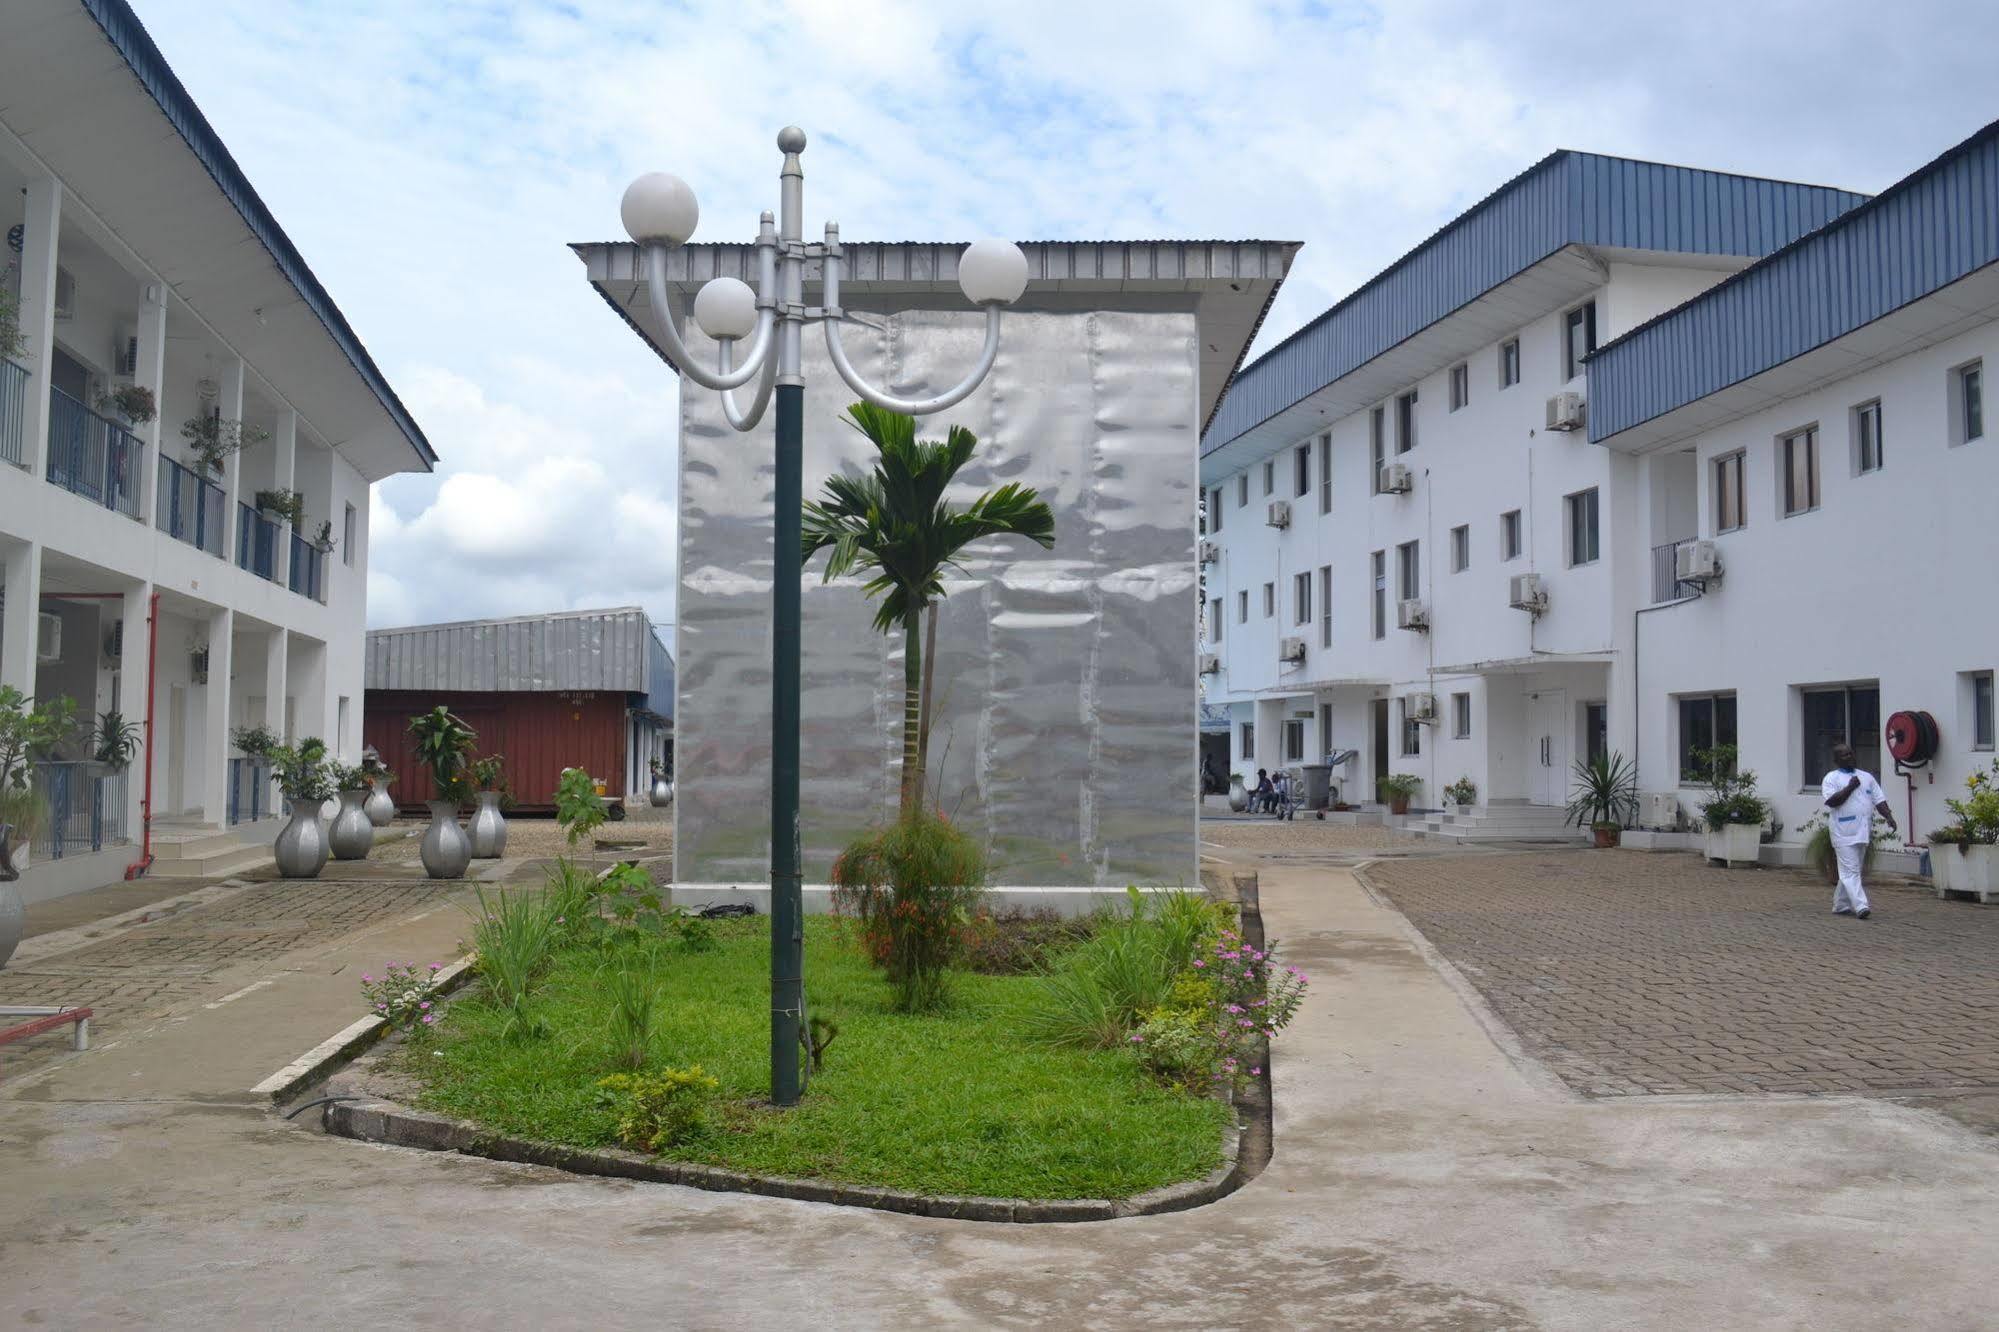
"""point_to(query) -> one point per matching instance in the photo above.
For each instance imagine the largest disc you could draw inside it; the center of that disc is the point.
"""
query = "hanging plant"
(213, 439)
(134, 402)
(286, 504)
(322, 540)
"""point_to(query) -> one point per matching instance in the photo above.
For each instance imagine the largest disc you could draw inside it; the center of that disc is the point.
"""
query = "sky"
(433, 161)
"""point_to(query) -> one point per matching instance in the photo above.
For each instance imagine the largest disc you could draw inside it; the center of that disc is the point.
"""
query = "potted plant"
(305, 778)
(662, 784)
(1606, 796)
(352, 834)
(286, 504)
(133, 402)
(211, 440)
(322, 540)
(115, 741)
(442, 742)
(488, 828)
(1964, 855)
(1238, 792)
(1461, 795)
(28, 731)
(1396, 789)
(381, 807)
(1732, 812)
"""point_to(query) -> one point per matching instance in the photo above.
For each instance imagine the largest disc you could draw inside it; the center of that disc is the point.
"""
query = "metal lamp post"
(660, 212)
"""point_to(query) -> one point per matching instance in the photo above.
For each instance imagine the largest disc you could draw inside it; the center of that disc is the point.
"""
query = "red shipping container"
(538, 734)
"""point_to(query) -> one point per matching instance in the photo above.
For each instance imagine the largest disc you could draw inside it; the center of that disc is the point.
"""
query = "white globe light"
(992, 271)
(725, 308)
(659, 208)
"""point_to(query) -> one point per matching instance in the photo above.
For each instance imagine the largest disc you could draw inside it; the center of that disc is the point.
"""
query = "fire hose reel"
(1912, 738)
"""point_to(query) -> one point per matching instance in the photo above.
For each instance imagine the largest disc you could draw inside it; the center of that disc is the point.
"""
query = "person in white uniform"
(1852, 798)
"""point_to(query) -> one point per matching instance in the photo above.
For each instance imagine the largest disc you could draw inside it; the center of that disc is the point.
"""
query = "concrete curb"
(316, 1064)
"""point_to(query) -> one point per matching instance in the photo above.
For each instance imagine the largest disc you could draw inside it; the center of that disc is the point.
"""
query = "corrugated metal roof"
(570, 650)
(1935, 226)
(1567, 198)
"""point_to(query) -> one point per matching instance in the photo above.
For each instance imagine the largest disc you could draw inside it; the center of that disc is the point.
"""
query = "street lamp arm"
(907, 406)
(741, 420)
(676, 350)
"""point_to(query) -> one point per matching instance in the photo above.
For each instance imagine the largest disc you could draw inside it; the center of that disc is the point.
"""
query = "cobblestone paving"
(1634, 974)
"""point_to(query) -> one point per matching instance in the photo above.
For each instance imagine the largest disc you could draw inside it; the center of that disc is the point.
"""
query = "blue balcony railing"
(256, 542)
(308, 573)
(249, 790)
(190, 507)
(13, 413)
(92, 456)
(86, 808)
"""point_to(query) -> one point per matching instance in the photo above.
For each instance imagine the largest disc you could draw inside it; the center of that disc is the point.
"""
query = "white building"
(135, 581)
(1449, 585)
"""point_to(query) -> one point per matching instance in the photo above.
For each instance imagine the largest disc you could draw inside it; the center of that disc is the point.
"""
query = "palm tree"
(894, 522)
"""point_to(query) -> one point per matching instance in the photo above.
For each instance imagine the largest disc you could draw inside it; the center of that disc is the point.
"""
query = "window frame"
(350, 527)
(1865, 425)
(1293, 728)
(1325, 605)
(1460, 386)
(1460, 548)
(1787, 454)
(1325, 471)
(1511, 540)
(1736, 461)
(1411, 745)
(1215, 621)
(1301, 597)
(1246, 739)
(1377, 436)
(1269, 477)
(1301, 468)
(1509, 363)
(1409, 570)
(1573, 507)
(1242, 606)
(1461, 715)
(1405, 422)
(1967, 402)
(1270, 600)
(1690, 774)
(1983, 722)
(1377, 569)
(1215, 512)
(1584, 317)
(1866, 740)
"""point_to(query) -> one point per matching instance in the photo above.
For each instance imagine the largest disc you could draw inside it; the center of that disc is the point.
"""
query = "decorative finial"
(791, 139)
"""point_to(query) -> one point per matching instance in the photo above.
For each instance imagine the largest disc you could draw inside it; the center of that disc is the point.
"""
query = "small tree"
(443, 741)
(28, 732)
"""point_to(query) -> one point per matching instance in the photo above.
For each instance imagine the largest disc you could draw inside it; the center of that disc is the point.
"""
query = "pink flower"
(429, 1018)
(439, 966)
(1256, 1072)
(366, 979)
(1137, 1039)
(1200, 962)
(424, 1004)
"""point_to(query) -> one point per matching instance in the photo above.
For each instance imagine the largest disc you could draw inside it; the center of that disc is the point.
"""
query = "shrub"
(402, 994)
(1099, 992)
(1463, 791)
(1732, 794)
(657, 1111)
(1977, 814)
(1208, 1032)
(1014, 941)
(631, 993)
(578, 807)
(912, 887)
(515, 936)
(1818, 847)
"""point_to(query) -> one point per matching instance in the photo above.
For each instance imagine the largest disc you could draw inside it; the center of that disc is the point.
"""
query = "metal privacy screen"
(1064, 686)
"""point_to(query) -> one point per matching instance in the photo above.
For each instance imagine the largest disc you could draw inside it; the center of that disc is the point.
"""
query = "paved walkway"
(1422, 1178)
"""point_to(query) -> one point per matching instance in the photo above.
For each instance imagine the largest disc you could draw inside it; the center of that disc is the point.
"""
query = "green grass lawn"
(955, 1103)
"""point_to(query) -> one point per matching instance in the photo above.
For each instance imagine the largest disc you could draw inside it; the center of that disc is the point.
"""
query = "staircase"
(1497, 823)
(203, 851)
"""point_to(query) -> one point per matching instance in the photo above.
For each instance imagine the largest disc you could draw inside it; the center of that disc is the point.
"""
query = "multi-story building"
(139, 580)
(1416, 552)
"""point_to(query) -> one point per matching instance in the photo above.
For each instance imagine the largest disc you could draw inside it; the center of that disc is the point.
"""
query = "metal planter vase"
(380, 806)
(13, 911)
(662, 793)
(446, 850)
(1238, 793)
(352, 835)
(301, 848)
(488, 829)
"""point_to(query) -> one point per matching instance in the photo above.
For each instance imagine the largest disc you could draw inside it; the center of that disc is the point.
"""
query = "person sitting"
(1265, 794)
(1280, 801)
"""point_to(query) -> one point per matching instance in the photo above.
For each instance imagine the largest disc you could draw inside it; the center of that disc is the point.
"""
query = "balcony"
(13, 413)
(308, 572)
(190, 508)
(1666, 586)
(256, 542)
(92, 456)
(86, 808)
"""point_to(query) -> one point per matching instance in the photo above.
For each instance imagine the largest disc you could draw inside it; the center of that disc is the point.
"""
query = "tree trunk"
(912, 710)
(924, 714)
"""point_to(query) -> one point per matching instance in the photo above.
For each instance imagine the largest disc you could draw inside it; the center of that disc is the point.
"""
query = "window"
(1409, 570)
(1405, 422)
(1509, 363)
(1412, 731)
(1248, 739)
(1460, 549)
(1378, 571)
(1325, 730)
(1377, 438)
(1242, 491)
(1509, 535)
(1578, 338)
(1582, 527)
(1867, 437)
(1967, 403)
(1270, 476)
(1215, 510)
(1326, 472)
(1460, 385)
(1325, 605)
(1301, 598)
(1729, 510)
(1799, 457)
(1294, 740)
(1242, 607)
(1302, 464)
(1460, 716)
(1596, 731)
(1706, 722)
(342, 714)
(350, 523)
(1981, 709)
(1215, 620)
(1269, 600)
(1845, 712)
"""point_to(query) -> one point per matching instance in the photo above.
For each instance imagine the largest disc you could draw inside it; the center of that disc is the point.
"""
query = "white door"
(1548, 747)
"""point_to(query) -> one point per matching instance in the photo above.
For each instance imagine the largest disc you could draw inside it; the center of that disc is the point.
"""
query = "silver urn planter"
(381, 808)
(13, 911)
(446, 850)
(1238, 793)
(662, 793)
(301, 848)
(352, 834)
(488, 828)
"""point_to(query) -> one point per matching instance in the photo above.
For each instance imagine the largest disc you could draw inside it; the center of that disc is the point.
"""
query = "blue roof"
(129, 38)
(1918, 236)
(1567, 198)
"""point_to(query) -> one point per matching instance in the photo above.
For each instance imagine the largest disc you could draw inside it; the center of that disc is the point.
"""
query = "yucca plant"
(1606, 795)
(893, 522)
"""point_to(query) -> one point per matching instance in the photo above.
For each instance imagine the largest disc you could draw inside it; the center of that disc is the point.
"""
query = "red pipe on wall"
(145, 860)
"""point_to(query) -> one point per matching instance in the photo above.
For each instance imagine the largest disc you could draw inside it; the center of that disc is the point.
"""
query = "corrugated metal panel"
(1923, 233)
(538, 734)
(1567, 198)
(611, 649)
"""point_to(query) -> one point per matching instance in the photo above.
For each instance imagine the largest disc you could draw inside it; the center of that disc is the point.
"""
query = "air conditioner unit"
(65, 294)
(1659, 810)
(1565, 411)
(48, 637)
(1396, 479)
(1210, 552)
(114, 643)
(1210, 663)
(1291, 650)
(1280, 513)
(125, 356)
(1696, 562)
(1420, 707)
(1526, 592)
(1412, 614)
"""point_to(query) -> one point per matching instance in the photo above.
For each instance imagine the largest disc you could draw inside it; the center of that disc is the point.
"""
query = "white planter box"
(1735, 843)
(1965, 869)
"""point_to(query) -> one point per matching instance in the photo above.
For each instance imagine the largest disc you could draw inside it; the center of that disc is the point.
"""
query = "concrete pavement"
(1422, 1178)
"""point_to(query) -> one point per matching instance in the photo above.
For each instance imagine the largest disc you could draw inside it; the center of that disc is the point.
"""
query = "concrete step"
(180, 841)
(218, 866)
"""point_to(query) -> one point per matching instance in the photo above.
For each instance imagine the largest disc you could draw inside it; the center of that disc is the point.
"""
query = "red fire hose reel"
(1912, 738)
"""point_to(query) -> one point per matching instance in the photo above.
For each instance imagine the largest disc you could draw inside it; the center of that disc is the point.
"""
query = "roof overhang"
(77, 79)
(1228, 285)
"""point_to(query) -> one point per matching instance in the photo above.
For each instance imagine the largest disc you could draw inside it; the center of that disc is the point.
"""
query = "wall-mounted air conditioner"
(1697, 562)
(1412, 614)
(1210, 663)
(1420, 707)
(1527, 592)
(1280, 513)
(1396, 479)
(114, 643)
(48, 637)
(65, 294)
(125, 356)
(1210, 552)
(1566, 411)
(1291, 650)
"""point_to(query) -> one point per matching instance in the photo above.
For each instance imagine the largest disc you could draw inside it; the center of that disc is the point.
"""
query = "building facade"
(139, 580)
